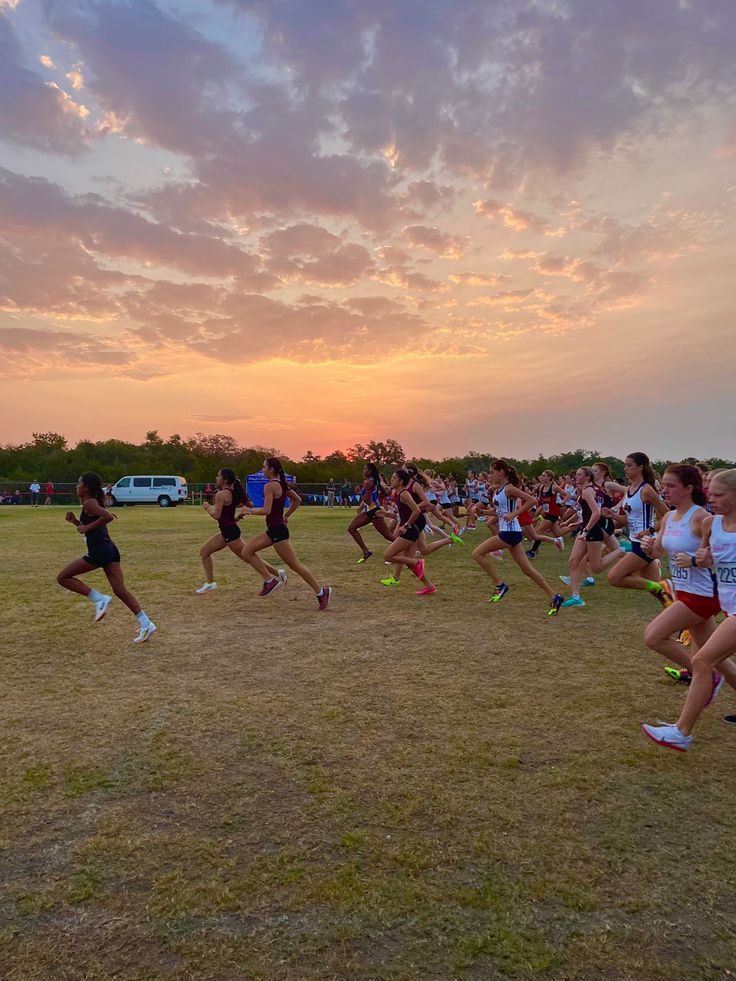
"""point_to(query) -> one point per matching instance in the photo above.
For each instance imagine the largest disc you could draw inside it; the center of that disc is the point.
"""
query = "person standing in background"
(35, 490)
(49, 492)
(345, 493)
(330, 488)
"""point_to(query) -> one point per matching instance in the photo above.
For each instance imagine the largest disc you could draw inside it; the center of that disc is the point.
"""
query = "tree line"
(198, 458)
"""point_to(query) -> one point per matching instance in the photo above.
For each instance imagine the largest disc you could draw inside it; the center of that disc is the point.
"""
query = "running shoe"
(456, 529)
(530, 553)
(426, 591)
(679, 674)
(364, 558)
(730, 720)
(206, 587)
(282, 576)
(269, 586)
(101, 607)
(625, 545)
(557, 602)
(497, 555)
(566, 579)
(145, 632)
(685, 638)
(501, 591)
(559, 544)
(574, 601)
(457, 539)
(718, 680)
(323, 597)
(669, 736)
(390, 581)
(418, 569)
(663, 595)
(589, 581)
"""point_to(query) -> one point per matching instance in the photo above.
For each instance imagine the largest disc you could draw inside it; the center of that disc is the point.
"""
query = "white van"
(167, 492)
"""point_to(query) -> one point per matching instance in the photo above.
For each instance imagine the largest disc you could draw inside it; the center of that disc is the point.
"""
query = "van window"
(164, 482)
(141, 481)
(125, 482)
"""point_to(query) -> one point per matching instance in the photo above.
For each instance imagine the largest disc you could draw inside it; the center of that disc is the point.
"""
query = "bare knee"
(701, 665)
(652, 636)
(62, 579)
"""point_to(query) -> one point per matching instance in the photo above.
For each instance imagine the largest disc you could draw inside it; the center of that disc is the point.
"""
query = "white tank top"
(723, 547)
(503, 504)
(639, 514)
(482, 493)
(679, 537)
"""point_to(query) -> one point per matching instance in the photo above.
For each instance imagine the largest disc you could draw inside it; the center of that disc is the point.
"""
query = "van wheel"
(114, 501)
(164, 501)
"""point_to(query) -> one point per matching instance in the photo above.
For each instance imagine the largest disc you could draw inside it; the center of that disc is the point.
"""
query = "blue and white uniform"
(508, 531)
(723, 548)
(639, 516)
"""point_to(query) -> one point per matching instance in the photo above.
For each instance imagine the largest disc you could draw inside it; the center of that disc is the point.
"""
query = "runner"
(641, 504)
(102, 553)
(697, 597)
(230, 495)
(508, 500)
(369, 510)
(403, 548)
(549, 495)
(275, 495)
(717, 548)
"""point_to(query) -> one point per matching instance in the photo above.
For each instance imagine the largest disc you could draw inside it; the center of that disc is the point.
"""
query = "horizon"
(466, 224)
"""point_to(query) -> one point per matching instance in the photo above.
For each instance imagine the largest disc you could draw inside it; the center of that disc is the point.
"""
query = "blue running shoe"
(501, 591)
(574, 601)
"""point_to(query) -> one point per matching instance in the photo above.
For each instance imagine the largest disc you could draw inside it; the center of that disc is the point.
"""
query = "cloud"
(310, 253)
(32, 207)
(35, 113)
(432, 239)
(479, 279)
(27, 351)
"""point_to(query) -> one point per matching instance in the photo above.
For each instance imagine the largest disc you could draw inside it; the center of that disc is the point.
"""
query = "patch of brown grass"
(398, 789)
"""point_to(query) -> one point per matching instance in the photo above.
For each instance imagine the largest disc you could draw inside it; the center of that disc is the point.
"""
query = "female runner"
(275, 495)
(402, 550)
(641, 503)
(230, 495)
(549, 493)
(102, 553)
(717, 548)
(697, 603)
(508, 499)
(587, 552)
(368, 510)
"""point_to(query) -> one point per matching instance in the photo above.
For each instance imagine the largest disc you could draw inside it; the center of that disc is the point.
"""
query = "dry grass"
(399, 789)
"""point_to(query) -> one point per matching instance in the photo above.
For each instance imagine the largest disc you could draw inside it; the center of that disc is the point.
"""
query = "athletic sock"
(94, 596)
(142, 619)
(535, 546)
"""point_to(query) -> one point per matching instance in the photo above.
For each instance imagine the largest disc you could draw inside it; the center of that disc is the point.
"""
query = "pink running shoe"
(324, 597)
(269, 586)
(717, 685)
(426, 591)
(418, 569)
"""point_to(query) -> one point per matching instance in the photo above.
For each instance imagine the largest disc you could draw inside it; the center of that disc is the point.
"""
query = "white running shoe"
(282, 576)
(206, 587)
(145, 632)
(101, 607)
(560, 544)
(669, 736)
(566, 579)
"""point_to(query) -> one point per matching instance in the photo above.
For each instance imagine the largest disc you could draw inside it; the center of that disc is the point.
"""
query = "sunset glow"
(504, 226)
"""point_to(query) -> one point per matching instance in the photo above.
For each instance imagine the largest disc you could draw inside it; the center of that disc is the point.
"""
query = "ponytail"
(240, 494)
(93, 483)
(509, 472)
(417, 474)
(689, 477)
(647, 473)
(275, 464)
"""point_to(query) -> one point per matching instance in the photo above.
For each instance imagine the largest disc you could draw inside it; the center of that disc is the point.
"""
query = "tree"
(385, 453)
(48, 441)
(153, 440)
(215, 445)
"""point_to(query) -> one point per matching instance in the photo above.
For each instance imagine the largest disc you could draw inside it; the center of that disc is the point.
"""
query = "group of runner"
(689, 517)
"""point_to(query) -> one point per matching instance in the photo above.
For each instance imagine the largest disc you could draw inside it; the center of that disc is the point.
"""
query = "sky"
(493, 225)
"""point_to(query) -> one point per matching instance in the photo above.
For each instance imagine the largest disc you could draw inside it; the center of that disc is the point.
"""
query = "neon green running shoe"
(390, 581)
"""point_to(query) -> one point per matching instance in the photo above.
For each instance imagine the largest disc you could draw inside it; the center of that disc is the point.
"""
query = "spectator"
(107, 491)
(49, 492)
(208, 492)
(345, 493)
(330, 488)
(35, 490)
(17, 498)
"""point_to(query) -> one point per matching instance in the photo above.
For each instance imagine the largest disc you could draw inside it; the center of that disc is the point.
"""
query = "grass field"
(399, 788)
